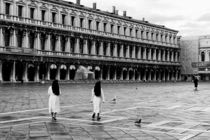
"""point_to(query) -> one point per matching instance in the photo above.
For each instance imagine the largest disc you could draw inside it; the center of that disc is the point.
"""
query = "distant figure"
(138, 122)
(114, 100)
(97, 99)
(54, 101)
(195, 80)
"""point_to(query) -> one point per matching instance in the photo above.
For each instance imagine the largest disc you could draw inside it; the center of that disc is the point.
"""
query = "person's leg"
(52, 114)
(93, 116)
(55, 116)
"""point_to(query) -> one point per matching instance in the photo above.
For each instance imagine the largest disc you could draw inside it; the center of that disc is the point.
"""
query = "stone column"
(1, 38)
(37, 42)
(77, 46)
(149, 54)
(115, 75)
(12, 76)
(155, 76)
(134, 75)
(48, 43)
(164, 55)
(145, 75)
(37, 74)
(145, 53)
(121, 74)
(101, 48)
(101, 73)
(68, 45)
(1, 78)
(67, 73)
(139, 52)
(85, 46)
(127, 76)
(25, 73)
(108, 73)
(26, 39)
(48, 72)
(108, 49)
(58, 44)
(13, 41)
(115, 50)
(121, 50)
(159, 55)
(134, 52)
(168, 56)
(154, 56)
(150, 75)
(127, 51)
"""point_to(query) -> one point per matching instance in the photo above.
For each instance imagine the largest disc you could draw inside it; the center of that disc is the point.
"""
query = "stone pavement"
(169, 111)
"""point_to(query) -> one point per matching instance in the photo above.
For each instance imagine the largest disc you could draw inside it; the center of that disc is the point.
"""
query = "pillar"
(134, 52)
(108, 49)
(154, 56)
(1, 78)
(145, 75)
(159, 55)
(115, 50)
(58, 72)
(127, 76)
(85, 46)
(58, 44)
(25, 73)
(93, 48)
(67, 73)
(48, 72)
(68, 45)
(115, 74)
(134, 75)
(37, 42)
(1, 38)
(127, 51)
(164, 55)
(121, 50)
(12, 76)
(13, 41)
(150, 74)
(37, 74)
(101, 48)
(168, 56)
(77, 45)
(26, 39)
(145, 53)
(121, 74)
(108, 73)
(155, 75)
(150, 54)
(139, 52)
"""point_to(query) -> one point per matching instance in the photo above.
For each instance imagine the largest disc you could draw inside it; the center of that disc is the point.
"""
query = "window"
(7, 9)
(137, 33)
(124, 30)
(63, 19)
(97, 25)
(81, 22)
(43, 15)
(112, 28)
(20, 11)
(53, 17)
(157, 37)
(105, 27)
(72, 20)
(118, 29)
(32, 13)
(147, 35)
(202, 57)
(142, 34)
(89, 24)
(152, 36)
(131, 31)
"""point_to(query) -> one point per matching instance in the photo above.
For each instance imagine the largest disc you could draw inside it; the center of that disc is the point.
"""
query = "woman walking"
(54, 101)
(97, 99)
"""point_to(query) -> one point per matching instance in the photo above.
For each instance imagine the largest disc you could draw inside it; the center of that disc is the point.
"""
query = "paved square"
(169, 111)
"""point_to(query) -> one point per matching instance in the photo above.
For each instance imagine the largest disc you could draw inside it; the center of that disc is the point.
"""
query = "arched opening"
(97, 73)
(105, 73)
(202, 56)
(124, 74)
(112, 73)
(31, 72)
(118, 73)
(19, 69)
(131, 74)
(53, 72)
(42, 71)
(63, 71)
(6, 70)
(7, 37)
(72, 72)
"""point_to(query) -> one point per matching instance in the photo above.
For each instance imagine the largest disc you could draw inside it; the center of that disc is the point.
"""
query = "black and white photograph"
(104, 70)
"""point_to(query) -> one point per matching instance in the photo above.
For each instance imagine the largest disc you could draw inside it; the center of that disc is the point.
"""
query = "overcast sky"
(189, 17)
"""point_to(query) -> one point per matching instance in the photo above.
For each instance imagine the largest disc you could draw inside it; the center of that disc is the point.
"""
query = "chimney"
(94, 6)
(78, 2)
(116, 12)
(113, 9)
(143, 19)
(124, 13)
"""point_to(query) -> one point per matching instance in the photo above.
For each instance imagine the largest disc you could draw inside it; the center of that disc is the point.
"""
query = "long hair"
(97, 89)
(55, 88)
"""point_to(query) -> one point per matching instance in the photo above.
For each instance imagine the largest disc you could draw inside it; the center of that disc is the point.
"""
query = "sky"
(189, 17)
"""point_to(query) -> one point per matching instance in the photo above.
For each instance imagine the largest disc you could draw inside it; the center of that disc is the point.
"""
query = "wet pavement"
(169, 111)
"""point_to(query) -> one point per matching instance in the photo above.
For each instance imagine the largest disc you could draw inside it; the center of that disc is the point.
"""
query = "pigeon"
(114, 99)
(138, 121)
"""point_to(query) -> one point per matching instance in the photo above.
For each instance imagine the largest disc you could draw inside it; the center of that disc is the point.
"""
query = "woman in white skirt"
(54, 101)
(97, 99)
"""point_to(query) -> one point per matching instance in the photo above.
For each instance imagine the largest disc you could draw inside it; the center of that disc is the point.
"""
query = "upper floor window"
(131, 31)
(63, 19)
(105, 24)
(81, 22)
(53, 17)
(118, 29)
(7, 8)
(156, 37)
(32, 13)
(142, 34)
(97, 25)
(20, 11)
(112, 28)
(89, 24)
(124, 30)
(136, 33)
(43, 15)
(72, 20)
(147, 35)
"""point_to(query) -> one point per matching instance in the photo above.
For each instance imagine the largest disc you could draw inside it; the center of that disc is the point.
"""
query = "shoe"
(93, 116)
(54, 118)
(98, 117)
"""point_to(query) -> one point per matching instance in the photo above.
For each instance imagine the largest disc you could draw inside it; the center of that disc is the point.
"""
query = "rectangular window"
(152, 36)
(124, 30)
(118, 29)
(142, 34)
(89, 24)
(72, 20)
(43, 15)
(97, 25)
(20, 11)
(32, 13)
(63, 19)
(105, 27)
(81, 22)
(112, 28)
(53, 17)
(7, 9)
(137, 34)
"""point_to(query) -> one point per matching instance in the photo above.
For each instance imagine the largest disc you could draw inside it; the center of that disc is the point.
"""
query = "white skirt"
(96, 104)
(54, 104)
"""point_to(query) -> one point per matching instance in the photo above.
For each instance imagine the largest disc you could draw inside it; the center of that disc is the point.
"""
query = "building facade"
(48, 39)
(195, 57)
